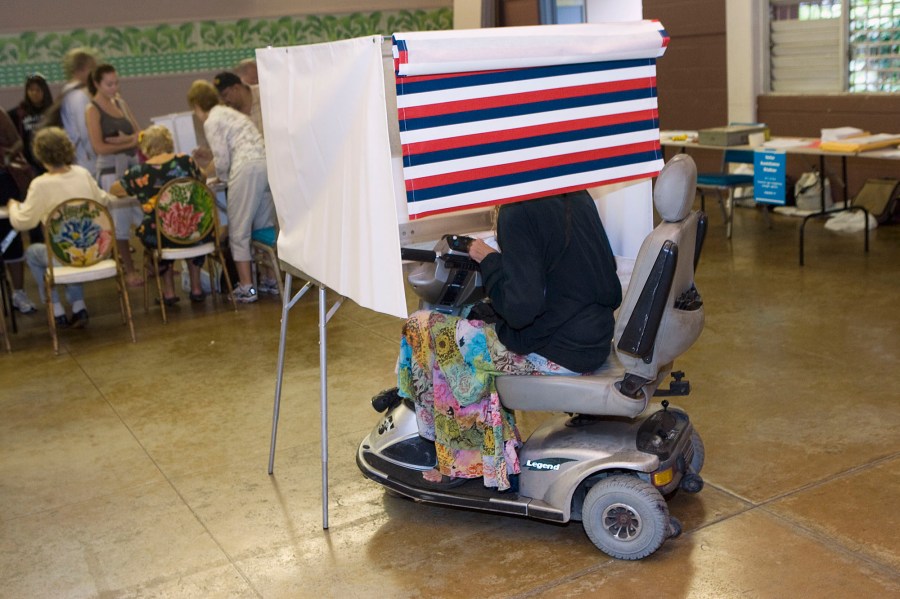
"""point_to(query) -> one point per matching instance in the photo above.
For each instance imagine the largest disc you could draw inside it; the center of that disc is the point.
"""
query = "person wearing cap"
(240, 96)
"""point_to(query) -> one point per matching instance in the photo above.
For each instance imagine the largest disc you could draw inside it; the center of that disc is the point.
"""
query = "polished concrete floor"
(139, 470)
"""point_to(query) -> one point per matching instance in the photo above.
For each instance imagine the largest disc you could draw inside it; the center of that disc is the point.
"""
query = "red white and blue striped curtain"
(486, 137)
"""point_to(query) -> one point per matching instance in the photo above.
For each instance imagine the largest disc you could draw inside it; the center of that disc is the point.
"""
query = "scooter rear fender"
(558, 457)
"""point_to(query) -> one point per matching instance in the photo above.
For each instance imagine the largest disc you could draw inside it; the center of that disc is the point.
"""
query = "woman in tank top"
(113, 131)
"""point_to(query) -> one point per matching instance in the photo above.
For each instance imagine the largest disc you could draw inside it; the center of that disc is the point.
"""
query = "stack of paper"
(782, 143)
(841, 133)
(861, 143)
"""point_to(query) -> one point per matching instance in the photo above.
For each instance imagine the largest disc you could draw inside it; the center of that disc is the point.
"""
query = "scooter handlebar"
(418, 255)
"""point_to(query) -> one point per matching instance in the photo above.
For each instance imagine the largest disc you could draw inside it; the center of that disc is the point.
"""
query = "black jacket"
(554, 285)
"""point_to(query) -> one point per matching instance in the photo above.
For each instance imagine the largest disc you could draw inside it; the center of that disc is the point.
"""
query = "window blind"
(808, 56)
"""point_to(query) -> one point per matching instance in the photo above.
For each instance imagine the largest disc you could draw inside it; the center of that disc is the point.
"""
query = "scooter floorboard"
(470, 494)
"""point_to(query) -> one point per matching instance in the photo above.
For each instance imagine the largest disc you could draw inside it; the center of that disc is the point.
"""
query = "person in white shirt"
(238, 157)
(62, 181)
(77, 65)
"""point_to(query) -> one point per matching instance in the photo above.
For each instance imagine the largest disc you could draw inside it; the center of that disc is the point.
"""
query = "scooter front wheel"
(625, 517)
(699, 456)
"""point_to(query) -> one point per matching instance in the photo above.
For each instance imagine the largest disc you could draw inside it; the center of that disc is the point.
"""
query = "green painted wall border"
(197, 46)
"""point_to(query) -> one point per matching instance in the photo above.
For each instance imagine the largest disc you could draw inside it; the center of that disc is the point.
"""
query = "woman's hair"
(97, 76)
(38, 80)
(76, 59)
(202, 95)
(52, 147)
(155, 140)
(244, 67)
(495, 219)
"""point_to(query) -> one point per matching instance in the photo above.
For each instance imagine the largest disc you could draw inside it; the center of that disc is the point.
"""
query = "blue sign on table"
(768, 176)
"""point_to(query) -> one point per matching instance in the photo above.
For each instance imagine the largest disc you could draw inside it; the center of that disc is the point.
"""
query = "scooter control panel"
(459, 243)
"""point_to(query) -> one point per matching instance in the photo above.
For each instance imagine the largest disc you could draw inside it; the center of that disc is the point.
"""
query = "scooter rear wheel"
(625, 517)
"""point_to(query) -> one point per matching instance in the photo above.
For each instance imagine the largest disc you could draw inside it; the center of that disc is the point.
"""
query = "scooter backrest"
(662, 314)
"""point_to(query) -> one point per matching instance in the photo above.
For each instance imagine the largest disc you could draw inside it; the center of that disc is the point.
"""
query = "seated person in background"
(553, 288)
(10, 143)
(144, 181)
(238, 159)
(62, 181)
(240, 96)
(28, 114)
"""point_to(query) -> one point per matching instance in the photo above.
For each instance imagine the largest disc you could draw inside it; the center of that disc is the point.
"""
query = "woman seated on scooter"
(553, 289)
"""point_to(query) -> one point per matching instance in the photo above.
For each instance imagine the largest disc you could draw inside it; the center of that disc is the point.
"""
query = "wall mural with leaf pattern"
(197, 46)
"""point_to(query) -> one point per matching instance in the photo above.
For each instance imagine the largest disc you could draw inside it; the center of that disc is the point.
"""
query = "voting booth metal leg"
(324, 317)
(323, 400)
(287, 303)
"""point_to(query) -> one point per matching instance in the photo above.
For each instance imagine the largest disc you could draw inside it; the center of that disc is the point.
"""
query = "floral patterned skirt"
(447, 366)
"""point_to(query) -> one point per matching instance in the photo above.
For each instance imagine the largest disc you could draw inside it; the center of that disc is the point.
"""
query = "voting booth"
(374, 143)
(359, 143)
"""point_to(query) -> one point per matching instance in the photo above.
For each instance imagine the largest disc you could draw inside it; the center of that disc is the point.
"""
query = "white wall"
(614, 10)
(744, 20)
(467, 14)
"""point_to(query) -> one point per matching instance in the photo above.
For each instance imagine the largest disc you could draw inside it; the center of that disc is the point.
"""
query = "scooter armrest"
(639, 334)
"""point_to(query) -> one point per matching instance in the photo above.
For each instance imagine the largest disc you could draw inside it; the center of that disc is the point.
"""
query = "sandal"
(169, 301)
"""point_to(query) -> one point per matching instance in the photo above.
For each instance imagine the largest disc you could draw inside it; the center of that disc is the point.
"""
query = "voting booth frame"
(624, 202)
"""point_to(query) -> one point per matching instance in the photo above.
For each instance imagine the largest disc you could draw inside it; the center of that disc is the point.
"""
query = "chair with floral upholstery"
(187, 226)
(80, 237)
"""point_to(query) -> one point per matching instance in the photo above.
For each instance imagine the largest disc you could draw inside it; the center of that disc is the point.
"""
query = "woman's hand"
(478, 249)
(118, 190)
(121, 139)
(202, 156)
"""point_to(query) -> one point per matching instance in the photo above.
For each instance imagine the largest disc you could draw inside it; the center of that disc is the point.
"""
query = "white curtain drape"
(330, 170)
(467, 50)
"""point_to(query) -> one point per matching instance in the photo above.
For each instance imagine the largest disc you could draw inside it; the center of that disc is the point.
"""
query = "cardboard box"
(732, 135)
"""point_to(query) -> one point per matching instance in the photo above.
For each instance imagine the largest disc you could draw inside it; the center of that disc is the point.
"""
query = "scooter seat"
(592, 394)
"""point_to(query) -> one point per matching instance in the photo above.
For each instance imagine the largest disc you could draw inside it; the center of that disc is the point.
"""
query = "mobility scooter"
(612, 456)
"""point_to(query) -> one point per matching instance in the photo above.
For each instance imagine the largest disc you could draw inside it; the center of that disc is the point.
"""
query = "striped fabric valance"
(487, 137)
